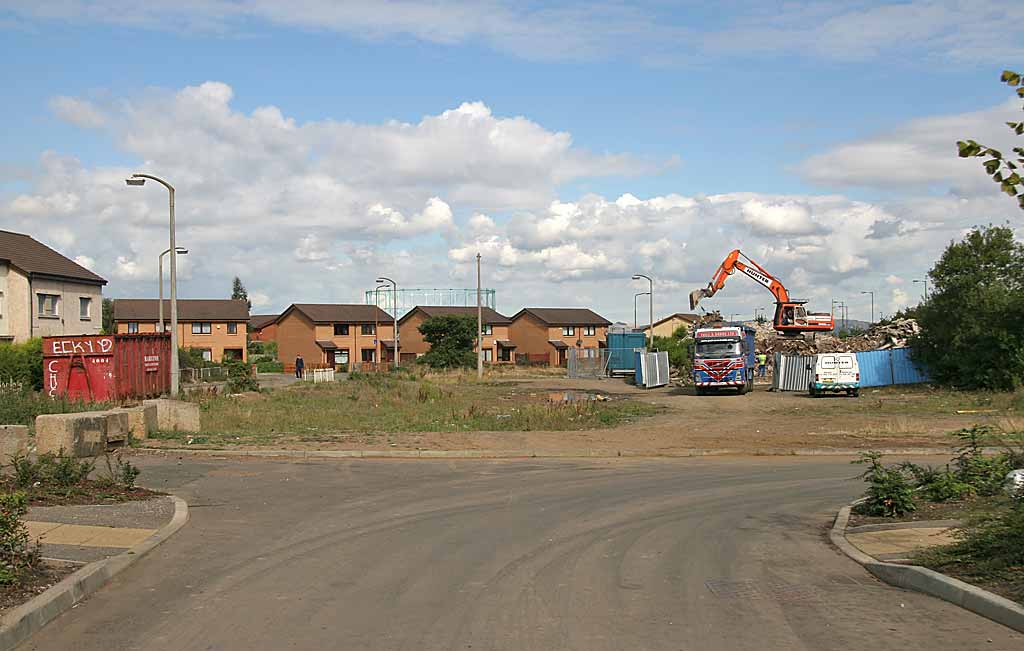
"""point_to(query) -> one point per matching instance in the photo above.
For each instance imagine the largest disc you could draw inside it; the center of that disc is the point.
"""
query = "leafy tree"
(678, 348)
(971, 333)
(905, 313)
(238, 292)
(451, 340)
(108, 316)
(1002, 170)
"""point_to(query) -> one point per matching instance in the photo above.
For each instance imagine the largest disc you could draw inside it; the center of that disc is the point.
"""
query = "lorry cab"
(835, 372)
(723, 357)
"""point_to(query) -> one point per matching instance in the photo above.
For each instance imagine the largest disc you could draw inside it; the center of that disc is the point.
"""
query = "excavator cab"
(792, 319)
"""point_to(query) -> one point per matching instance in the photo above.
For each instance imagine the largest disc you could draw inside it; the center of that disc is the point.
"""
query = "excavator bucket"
(695, 297)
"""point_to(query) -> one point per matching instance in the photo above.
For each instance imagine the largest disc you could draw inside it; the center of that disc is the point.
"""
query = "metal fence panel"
(652, 369)
(875, 368)
(791, 372)
(905, 370)
(593, 365)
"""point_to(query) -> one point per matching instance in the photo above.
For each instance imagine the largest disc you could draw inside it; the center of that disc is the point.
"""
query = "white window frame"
(488, 354)
(568, 331)
(86, 302)
(41, 301)
(232, 328)
(133, 327)
(589, 331)
(205, 328)
(487, 329)
(1, 305)
(207, 354)
(341, 356)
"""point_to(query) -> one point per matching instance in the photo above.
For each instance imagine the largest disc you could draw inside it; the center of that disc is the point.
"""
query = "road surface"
(685, 554)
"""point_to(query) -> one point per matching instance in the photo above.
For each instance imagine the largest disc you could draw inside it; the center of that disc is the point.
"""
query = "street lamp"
(636, 296)
(180, 251)
(376, 325)
(650, 282)
(925, 281)
(872, 305)
(394, 306)
(140, 179)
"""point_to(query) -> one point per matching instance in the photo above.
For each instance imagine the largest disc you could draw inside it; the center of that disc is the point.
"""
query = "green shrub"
(269, 366)
(22, 363)
(120, 472)
(983, 473)
(50, 470)
(889, 493)
(20, 405)
(937, 485)
(992, 542)
(240, 377)
(18, 555)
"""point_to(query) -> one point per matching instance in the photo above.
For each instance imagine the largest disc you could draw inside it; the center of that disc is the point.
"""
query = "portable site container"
(622, 349)
(101, 368)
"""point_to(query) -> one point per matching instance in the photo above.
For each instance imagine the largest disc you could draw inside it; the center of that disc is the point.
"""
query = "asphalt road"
(686, 554)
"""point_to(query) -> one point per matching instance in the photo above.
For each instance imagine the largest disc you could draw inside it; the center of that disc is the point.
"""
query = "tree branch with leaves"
(1003, 170)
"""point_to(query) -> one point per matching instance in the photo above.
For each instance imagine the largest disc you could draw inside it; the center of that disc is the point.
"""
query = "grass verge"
(377, 404)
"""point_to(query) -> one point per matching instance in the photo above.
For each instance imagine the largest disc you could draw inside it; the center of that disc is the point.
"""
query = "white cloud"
(311, 248)
(86, 262)
(77, 111)
(778, 218)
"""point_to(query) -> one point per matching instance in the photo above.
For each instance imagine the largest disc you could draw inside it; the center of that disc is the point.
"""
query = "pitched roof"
(692, 318)
(556, 316)
(339, 313)
(189, 309)
(34, 257)
(257, 321)
(490, 317)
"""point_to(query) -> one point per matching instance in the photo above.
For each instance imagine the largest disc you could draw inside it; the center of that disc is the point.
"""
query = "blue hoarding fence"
(884, 367)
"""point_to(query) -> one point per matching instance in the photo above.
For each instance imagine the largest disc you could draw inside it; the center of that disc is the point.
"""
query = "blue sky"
(768, 111)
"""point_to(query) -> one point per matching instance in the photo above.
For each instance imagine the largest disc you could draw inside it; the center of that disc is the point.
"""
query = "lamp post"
(479, 325)
(140, 179)
(636, 296)
(376, 325)
(394, 306)
(650, 283)
(925, 281)
(872, 305)
(180, 251)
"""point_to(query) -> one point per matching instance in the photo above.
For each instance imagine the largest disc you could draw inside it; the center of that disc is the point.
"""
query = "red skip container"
(107, 368)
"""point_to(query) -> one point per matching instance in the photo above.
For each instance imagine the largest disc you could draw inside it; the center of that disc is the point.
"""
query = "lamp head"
(135, 181)
(181, 250)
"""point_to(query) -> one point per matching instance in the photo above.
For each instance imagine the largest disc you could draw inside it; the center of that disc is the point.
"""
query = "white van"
(835, 372)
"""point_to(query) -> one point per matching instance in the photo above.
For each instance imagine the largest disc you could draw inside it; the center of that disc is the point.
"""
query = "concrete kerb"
(529, 454)
(22, 622)
(930, 582)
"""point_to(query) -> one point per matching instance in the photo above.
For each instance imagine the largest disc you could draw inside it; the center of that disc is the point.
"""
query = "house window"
(201, 328)
(590, 353)
(1, 304)
(133, 327)
(341, 330)
(207, 354)
(341, 356)
(488, 355)
(369, 329)
(84, 308)
(49, 305)
(487, 329)
(369, 355)
(568, 331)
(589, 331)
(232, 328)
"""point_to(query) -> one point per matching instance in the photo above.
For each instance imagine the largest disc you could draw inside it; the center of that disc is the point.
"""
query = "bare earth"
(761, 422)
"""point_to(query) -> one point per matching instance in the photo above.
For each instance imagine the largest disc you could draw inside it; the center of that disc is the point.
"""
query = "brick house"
(43, 293)
(665, 327)
(334, 334)
(549, 332)
(215, 327)
(497, 341)
(263, 327)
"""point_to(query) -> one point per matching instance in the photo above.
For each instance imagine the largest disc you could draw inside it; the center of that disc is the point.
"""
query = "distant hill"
(853, 325)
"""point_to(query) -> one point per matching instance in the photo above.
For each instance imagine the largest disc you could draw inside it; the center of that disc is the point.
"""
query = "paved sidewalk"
(82, 534)
(900, 542)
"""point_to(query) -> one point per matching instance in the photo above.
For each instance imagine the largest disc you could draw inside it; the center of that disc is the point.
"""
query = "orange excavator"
(791, 318)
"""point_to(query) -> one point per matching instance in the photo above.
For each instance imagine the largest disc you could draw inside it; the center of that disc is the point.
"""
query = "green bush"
(49, 471)
(992, 542)
(18, 555)
(22, 363)
(983, 473)
(121, 473)
(937, 485)
(678, 347)
(269, 366)
(451, 340)
(889, 492)
(240, 377)
(20, 405)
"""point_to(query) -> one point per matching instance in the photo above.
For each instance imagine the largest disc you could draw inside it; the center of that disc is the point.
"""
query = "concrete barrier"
(142, 421)
(79, 435)
(175, 415)
(13, 440)
(116, 426)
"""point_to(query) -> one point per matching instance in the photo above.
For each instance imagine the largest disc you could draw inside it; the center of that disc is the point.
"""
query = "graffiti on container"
(102, 346)
(51, 378)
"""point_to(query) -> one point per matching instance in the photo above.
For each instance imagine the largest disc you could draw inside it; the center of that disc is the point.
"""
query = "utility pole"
(650, 283)
(872, 305)
(479, 325)
(636, 296)
(925, 281)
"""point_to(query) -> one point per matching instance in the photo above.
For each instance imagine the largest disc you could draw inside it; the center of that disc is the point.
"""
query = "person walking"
(762, 364)
(300, 366)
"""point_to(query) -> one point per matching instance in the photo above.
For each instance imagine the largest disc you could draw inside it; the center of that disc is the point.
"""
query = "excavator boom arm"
(753, 270)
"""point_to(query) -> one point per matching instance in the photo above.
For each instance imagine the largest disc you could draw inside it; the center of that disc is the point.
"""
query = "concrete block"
(80, 435)
(141, 421)
(13, 440)
(117, 426)
(175, 415)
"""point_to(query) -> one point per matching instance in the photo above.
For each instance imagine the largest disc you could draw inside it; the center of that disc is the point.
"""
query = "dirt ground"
(762, 421)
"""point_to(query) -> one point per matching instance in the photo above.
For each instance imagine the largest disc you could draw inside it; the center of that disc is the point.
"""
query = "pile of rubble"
(879, 337)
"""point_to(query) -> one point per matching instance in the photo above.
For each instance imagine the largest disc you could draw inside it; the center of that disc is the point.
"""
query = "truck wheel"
(741, 389)
(856, 393)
